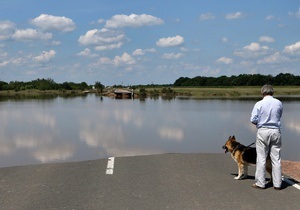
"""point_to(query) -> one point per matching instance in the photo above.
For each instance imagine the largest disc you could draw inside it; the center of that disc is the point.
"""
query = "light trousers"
(268, 142)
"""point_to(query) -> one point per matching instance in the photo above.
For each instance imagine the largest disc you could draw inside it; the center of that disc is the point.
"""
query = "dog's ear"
(233, 138)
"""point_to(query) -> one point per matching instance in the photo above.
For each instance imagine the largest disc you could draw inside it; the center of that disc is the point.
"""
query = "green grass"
(193, 92)
(203, 92)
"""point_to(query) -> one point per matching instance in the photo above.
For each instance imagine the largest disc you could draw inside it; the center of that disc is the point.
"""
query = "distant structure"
(123, 94)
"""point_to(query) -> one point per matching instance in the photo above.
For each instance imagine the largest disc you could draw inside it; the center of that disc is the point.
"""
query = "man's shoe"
(277, 188)
(258, 187)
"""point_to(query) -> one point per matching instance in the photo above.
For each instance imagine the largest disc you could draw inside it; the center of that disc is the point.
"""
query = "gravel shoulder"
(291, 169)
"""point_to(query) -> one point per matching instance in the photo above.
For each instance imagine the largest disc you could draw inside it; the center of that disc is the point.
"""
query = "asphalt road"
(168, 181)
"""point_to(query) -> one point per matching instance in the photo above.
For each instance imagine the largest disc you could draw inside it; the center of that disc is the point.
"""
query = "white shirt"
(267, 112)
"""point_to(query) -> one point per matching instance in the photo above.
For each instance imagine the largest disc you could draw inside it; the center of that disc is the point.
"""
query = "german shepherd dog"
(244, 156)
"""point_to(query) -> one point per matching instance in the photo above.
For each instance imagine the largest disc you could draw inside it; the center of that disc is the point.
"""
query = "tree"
(99, 86)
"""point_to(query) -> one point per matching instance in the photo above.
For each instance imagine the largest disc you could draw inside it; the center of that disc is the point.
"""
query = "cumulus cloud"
(172, 55)
(252, 50)
(236, 15)
(85, 52)
(133, 20)
(170, 41)
(31, 34)
(45, 56)
(275, 58)
(103, 39)
(225, 60)
(293, 49)
(255, 47)
(266, 39)
(50, 22)
(7, 29)
(207, 16)
(109, 46)
(124, 59)
(138, 52)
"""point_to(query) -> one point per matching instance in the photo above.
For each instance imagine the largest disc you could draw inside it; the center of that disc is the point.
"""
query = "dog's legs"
(240, 173)
(245, 171)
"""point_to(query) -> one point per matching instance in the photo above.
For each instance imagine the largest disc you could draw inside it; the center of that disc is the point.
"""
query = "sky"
(118, 42)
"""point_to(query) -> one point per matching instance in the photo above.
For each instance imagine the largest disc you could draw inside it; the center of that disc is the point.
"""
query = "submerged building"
(123, 94)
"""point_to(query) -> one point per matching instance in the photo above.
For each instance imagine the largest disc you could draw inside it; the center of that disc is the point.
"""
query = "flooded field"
(84, 128)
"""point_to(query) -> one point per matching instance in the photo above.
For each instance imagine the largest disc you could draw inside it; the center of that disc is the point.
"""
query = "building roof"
(122, 91)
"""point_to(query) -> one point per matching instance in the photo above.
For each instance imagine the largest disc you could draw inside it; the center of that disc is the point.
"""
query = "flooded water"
(85, 128)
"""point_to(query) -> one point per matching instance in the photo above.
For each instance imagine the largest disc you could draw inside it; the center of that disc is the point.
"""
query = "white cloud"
(207, 16)
(104, 60)
(103, 39)
(45, 56)
(124, 59)
(266, 39)
(224, 39)
(225, 60)
(4, 63)
(295, 14)
(133, 20)
(3, 55)
(292, 49)
(270, 17)
(150, 50)
(138, 52)
(170, 41)
(7, 29)
(50, 22)
(31, 34)
(172, 55)
(252, 50)
(100, 21)
(55, 43)
(236, 15)
(275, 58)
(255, 47)
(109, 46)
(85, 52)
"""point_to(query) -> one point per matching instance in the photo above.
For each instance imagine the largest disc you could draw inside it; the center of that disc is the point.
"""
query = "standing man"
(266, 116)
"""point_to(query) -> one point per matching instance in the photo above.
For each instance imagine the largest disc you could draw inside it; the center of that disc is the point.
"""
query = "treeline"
(48, 84)
(241, 80)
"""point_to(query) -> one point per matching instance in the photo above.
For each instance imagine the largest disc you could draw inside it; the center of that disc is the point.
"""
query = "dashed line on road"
(291, 183)
(110, 166)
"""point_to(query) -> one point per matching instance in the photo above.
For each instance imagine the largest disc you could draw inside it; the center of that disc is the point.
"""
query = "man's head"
(267, 90)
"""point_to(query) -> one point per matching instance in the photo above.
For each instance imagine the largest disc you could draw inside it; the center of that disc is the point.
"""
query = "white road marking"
(110, 166)
(291, 183)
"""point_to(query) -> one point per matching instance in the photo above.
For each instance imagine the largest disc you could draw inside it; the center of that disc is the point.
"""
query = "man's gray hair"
(267, 90)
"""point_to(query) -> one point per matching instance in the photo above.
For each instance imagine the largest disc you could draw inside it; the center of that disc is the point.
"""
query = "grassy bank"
(193, 92)
(39, 93)
(229, 92)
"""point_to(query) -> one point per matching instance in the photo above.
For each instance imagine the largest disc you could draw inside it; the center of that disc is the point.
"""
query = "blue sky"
(144, 42)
